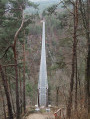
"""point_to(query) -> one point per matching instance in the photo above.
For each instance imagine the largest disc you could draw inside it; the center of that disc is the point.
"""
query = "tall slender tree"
(85, 12)
(12, 23)
(4, 81)
(74, 61)
(24, 94)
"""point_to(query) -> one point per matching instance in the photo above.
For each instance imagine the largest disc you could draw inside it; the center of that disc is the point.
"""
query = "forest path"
(41, 116)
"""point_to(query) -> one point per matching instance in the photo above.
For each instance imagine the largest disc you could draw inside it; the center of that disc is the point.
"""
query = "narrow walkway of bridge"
(43, 83)
(43, 110)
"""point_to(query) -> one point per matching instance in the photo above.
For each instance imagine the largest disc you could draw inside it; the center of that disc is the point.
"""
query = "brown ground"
(41, 116)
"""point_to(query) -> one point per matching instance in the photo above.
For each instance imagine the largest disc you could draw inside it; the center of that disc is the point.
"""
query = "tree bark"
(86, 24)
(20, 91)
(75, 37)
(11, 97)
(16, 68)
(7, 93)
(88, 56)
(88, 79)
(17, 88)
(24, 97)
(75, 18)
(3, 103)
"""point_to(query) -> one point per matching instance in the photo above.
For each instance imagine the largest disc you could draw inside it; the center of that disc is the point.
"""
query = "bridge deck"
(43, 83)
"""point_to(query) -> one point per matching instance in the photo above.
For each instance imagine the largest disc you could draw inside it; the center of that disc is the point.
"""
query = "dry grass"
(80, 114)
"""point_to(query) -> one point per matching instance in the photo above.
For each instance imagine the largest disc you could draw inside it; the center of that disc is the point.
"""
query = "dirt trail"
(41, 116)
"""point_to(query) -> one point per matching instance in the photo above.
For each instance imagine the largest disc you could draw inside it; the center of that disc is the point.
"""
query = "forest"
(67, 30)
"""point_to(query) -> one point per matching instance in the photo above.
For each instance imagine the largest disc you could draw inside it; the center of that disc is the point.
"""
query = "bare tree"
(16, 68)
(74, 61)
(85, 12)
(24, 100)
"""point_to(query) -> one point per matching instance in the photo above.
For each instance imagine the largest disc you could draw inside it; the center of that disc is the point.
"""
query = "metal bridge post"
(46, 97)
(38, 98)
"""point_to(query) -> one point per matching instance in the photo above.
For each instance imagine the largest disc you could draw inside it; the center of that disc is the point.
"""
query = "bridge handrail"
(59, 114)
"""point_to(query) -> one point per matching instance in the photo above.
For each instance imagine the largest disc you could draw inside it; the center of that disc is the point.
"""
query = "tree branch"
(17, 32)
(5, 52)
(9, 65)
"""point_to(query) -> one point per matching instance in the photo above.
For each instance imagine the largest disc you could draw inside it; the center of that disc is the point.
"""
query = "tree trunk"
(86, 23)
(16, 68)
(75, 40)
(88, 56)
(88, 78)
(69, 107)
(24, 97)
(7, 93)
(76, 85)
(17, 86)
(20, 91)
(3, 103)
(11, 97)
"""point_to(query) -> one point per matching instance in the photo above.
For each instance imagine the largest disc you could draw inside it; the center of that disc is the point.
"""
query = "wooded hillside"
(67, 54)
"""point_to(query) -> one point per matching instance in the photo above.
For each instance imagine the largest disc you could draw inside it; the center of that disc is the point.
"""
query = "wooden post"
(57, 91)
(60, 114)
(55, 115)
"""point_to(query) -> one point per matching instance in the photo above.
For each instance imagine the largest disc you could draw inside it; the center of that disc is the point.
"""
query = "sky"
(38, 0)
(41, 0)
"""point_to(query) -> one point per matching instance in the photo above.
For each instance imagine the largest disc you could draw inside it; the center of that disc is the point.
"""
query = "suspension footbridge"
(42, 98)
(43, 83)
